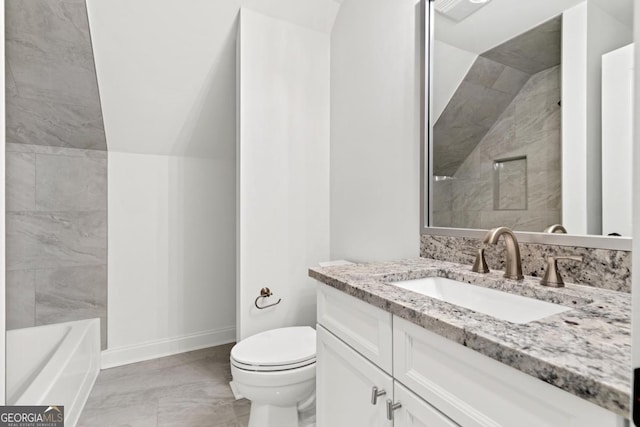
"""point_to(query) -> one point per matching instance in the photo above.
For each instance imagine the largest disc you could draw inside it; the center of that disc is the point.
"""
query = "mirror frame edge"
(426, 166)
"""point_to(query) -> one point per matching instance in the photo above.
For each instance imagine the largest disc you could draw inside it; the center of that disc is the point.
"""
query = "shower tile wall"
(528, 128)
(484, 93)
(56, 166)
(56, 235)
(52, 89)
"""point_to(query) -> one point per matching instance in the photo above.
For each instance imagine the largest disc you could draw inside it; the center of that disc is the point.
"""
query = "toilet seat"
(276, 350)
(272, 368)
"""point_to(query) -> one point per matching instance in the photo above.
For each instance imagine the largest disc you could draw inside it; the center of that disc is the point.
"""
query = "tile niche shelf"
(510, 184)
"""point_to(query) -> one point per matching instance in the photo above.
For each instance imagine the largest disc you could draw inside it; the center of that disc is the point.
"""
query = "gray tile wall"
(52, 89)
(530, 127)
(485, 92)
(56, 188)
(56, 202)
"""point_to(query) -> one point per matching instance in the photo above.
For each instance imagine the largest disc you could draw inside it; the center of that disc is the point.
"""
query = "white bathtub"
(54, 365)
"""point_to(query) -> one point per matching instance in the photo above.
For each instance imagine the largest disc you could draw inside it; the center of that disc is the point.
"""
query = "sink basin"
(501, 305)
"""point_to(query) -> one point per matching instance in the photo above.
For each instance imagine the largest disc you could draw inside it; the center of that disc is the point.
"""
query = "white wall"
(167, 74)
(588, 33)
(2, 221)
(574, 118)
(375, 130)
(171, 255)
(604, 35)
(282, 169)
(450, 66)
(617, 141)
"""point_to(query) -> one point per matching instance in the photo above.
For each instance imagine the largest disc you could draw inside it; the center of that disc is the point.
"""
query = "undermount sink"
(501, 305)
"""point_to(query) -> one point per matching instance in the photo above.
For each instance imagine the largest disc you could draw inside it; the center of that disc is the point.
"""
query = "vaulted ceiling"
(167, 69)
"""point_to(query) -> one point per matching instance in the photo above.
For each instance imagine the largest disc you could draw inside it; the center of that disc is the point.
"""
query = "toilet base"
(273, 416)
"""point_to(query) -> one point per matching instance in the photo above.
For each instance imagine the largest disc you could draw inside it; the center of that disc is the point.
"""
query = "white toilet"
(276, 371)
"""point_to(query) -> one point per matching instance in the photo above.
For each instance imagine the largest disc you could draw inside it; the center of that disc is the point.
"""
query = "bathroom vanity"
(388, 355)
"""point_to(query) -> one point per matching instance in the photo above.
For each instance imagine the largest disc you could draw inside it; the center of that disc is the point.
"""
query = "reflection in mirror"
(531, 115)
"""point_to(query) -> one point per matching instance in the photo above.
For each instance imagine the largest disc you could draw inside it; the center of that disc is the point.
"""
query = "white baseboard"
(166, 347)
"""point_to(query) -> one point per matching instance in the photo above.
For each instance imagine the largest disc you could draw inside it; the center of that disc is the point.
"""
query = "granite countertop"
(585, 351)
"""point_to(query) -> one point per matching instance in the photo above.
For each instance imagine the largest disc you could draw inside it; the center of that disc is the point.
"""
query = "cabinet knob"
(391, 407)
(375, 394)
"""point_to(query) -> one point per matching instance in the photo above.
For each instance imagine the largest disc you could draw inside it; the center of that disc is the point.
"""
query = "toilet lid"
(283, 348)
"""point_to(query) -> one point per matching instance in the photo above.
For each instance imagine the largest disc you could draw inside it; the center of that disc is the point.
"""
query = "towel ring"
(265, 293)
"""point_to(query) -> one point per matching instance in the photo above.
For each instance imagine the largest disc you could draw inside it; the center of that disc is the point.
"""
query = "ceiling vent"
(458, 10)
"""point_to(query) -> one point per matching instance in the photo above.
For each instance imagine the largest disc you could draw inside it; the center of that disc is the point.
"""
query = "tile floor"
(186, 390)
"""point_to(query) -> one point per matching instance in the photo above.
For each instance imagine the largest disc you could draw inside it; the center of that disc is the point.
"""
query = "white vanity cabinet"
(437, 382)
(344, 382)
(348, 330)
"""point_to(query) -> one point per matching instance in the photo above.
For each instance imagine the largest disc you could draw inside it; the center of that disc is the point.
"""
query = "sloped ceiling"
(502, 20)
(532, 51)
(622, 10)
(498, 21)
(167, 69)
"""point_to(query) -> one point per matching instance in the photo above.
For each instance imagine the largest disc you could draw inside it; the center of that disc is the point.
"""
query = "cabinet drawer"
(474, 390)
(415, 412)
(364, 327)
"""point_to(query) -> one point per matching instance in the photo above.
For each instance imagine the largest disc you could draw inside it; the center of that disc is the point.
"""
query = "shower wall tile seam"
(55, 212)
(20, 147)
(63, 103)
(58, 267)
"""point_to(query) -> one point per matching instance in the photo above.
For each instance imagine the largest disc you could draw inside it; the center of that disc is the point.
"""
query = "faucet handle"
(552, 276)
(480, 265)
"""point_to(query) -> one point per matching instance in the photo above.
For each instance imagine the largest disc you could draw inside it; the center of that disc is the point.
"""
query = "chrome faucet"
(513, 263)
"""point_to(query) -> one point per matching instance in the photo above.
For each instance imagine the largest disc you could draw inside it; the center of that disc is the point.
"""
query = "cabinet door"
(477, 391)
(415, 412)
(344, 380)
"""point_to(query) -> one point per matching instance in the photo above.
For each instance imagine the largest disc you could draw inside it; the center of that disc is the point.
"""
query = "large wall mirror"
(530, 116)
